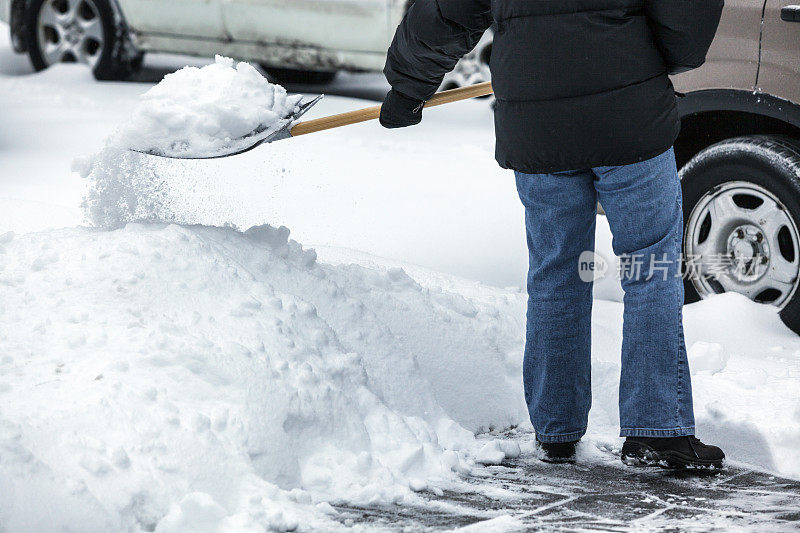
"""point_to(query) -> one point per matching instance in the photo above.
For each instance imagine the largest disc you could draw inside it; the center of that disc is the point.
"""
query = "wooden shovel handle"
(371, 113)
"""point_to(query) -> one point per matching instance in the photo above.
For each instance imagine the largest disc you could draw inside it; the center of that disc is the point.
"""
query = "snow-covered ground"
(184, 377)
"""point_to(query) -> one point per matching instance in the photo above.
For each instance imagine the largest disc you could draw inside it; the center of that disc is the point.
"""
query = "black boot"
(671, 452)
(557, 452)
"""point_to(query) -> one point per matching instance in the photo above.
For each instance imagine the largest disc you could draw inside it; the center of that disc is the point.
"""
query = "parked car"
(739, 155)
(304, 41)
(739, 147)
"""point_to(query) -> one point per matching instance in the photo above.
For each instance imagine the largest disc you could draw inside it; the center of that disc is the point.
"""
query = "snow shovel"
(287, 127)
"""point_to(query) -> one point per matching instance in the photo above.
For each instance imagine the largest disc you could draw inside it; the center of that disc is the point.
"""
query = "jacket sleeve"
(433, 36)
(683, 30)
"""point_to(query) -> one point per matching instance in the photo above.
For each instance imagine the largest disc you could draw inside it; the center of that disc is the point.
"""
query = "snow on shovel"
(287, 127)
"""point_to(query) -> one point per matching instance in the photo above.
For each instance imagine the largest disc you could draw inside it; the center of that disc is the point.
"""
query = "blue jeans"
(643, 204)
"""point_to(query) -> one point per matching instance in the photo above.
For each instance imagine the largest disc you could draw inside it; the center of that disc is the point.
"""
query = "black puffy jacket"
(579, 83)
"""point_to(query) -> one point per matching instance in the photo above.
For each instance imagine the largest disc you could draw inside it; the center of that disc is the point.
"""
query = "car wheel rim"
(472, 68)
(70, 31)
(740, 238)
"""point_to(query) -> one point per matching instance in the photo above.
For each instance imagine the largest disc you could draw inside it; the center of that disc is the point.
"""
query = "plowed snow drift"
(159, 375)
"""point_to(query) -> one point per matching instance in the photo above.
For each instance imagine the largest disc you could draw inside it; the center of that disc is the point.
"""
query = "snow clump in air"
(192, 112)
(197, 111)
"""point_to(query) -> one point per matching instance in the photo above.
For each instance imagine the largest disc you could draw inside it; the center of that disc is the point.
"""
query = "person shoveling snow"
(569, 146)
(585, 112)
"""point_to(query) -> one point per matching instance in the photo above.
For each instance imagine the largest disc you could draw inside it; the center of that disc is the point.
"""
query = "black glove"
(399, 111)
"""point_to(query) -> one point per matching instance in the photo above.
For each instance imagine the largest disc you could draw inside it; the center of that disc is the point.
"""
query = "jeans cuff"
(650, 432)
(561, 437)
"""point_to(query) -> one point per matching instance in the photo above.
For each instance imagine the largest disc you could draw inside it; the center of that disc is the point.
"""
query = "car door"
(341, 25)
(780, 56)
(732, 61)
(190, 18)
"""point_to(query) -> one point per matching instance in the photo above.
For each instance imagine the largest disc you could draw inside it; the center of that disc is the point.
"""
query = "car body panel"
(761, 104)
(305, 34)
(344, 25)
(780, 58)
(196, 18)
(5, 11)
(732, 61)
(286, 55)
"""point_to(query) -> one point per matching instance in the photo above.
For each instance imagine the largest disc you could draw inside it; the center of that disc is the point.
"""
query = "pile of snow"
(496, 451)
(194, 111)
(745, 370)
(746, 381)
(169, 377)
(707, 357)
(160, 375)
(197, 111)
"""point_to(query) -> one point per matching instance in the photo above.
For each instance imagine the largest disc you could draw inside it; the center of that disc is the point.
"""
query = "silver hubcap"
(740, 238)
(70, 31)
(472, 68)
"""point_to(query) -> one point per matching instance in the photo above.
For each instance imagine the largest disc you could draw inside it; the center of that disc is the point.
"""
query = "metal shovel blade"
(276, 132)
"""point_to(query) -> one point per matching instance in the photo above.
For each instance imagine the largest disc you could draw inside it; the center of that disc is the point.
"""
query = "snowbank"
(172, 377)
(745, 369)
(747, 387)
(155, 376)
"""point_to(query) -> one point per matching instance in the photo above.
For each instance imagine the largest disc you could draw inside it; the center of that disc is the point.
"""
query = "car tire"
(741, 200)
(305, 77)
(115, 58)
(473, 68)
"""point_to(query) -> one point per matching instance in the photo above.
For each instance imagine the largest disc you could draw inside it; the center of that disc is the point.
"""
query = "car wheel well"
(709, 116)
(701, 130)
